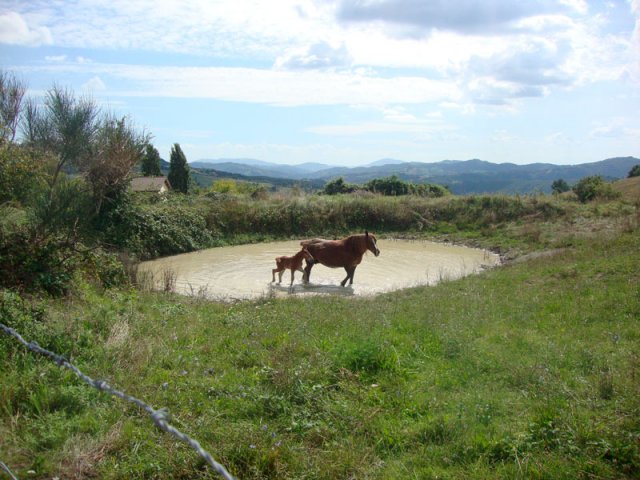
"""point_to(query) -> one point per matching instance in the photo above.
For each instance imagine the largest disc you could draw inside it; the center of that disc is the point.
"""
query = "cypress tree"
(178, 170)
(151, 162)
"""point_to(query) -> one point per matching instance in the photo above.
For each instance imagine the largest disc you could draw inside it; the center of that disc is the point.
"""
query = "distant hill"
(461, 176)
(252, 167)
(385, 161)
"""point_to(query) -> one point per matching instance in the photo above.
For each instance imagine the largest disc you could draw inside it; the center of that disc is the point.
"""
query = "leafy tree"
(22, 171)
(65, 126)
(11, 95)
(389, 186)
(337, 186)
(560, 186)
(590, 188)
(117, 149)
(634, 172)
(179, 170)
(151, 162)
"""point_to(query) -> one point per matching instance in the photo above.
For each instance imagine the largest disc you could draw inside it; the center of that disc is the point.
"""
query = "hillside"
(629, 188)
(462, 177)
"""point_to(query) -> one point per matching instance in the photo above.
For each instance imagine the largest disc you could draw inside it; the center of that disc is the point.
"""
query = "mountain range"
(461, 176)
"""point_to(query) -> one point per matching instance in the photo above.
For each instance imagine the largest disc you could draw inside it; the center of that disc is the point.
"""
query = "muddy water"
(244, 271)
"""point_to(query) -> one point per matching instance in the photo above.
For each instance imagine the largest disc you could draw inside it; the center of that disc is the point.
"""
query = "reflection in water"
(244, 271)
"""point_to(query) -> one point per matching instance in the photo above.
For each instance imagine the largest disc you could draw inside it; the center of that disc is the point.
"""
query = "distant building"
(150, 184)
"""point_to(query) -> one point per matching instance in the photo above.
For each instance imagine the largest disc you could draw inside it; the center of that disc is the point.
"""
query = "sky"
(346, 82)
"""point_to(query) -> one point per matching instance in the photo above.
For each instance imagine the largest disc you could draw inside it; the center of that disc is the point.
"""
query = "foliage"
(225, 185)
(337, 186)
(179, 177)
(634, 172)
(151, 162)
(12, 92)
(117, 149)
(22, 173)
(65, 127)
(155, 230)
(593, 187)
(391, 186)
(560, 186)
(31, 262)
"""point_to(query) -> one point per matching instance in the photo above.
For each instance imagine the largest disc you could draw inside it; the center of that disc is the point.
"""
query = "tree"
(179, 170)
(151, 162)
(388, 186)
(590, 188)
(11, 95)
(634, 172)
(117, 149)
(338, 186)
(65, 127)
(560, 186)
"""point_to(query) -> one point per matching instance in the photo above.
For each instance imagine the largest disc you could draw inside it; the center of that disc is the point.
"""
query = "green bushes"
(594, 187)
(343, 214)
(156, 230)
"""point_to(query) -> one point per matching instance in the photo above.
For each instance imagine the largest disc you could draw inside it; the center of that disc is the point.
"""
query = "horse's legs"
(353, 271)
(280, 276)
(307, 271)
(292, 274)
(349, 276)
(273, 274)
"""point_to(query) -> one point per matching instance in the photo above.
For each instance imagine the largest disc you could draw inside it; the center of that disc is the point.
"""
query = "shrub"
(156, 230)
(634, 172)
(593, 187)
(337, 186)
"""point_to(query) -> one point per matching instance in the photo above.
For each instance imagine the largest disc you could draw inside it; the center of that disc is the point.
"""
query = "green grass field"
(531, 370)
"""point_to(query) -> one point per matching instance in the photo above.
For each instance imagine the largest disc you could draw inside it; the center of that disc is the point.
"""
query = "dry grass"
(629, 188)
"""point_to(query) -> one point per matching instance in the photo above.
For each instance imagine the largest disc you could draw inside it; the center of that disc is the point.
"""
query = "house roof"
(149, 184)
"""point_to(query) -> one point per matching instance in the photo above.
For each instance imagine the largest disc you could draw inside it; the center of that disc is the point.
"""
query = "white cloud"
(318, 56)
(283, 88)
(55, 58)
(14, 30)
(616, 128)
(94, 85)
(489, 52)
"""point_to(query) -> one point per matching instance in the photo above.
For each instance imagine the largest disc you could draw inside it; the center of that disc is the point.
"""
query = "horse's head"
(372, 243)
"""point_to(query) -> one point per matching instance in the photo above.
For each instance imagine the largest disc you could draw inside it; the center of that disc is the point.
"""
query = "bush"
(594, 187)
(21, 172)
(152, 231)
(338, 185)
(33, 263)
(634, 172)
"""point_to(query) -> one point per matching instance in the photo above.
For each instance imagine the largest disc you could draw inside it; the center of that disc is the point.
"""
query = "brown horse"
(346, 253)
(291, 263)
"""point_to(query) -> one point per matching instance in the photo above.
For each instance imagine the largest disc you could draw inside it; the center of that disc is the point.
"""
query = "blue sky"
(346, 82)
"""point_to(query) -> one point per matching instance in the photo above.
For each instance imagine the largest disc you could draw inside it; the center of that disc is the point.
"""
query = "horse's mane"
(357, 243)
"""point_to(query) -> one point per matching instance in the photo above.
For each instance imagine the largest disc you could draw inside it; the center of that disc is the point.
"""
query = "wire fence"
(7, 470)
(159, 417)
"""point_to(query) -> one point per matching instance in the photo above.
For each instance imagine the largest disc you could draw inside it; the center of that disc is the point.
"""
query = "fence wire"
(6, 469)
(159, 417)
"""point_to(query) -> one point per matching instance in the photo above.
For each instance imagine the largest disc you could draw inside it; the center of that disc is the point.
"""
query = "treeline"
(388, 186)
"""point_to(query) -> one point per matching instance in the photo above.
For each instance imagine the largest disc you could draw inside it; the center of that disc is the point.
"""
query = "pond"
(244, 271)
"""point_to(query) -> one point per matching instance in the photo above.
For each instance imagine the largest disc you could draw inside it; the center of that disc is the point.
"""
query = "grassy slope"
(528, 371)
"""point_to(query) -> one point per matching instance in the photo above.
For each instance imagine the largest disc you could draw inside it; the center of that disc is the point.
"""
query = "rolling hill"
(461, 176)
